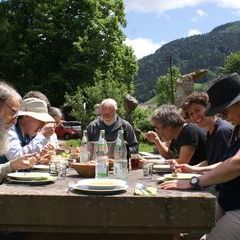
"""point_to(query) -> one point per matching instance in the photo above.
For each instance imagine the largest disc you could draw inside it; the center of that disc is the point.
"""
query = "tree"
(104, 87)
(56, 46)
(164, 86)
(232, 63)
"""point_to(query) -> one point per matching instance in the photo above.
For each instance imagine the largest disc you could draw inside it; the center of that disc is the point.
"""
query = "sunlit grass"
(145, 147)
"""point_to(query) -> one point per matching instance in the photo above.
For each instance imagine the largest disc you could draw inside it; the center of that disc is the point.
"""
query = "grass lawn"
(144, 146)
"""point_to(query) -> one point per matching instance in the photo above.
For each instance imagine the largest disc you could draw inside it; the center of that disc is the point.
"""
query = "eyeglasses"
(14, 112)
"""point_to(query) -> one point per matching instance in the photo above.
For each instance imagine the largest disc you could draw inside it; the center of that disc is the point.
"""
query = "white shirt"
(54, 141)
(15, 148)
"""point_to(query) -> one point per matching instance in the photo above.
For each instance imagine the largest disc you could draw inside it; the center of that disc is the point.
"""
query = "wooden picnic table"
(53, 212)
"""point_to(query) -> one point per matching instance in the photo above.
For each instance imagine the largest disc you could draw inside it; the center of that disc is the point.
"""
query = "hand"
(151, 136)
(184, 168)
(45, 159)
(48, 149)
(48, 129)
(23, 162)
(176, 184)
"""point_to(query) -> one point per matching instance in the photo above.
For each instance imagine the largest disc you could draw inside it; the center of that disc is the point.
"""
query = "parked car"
(69, 129)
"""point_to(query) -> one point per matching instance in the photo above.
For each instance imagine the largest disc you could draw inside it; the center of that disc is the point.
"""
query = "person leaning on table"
(224, 97)
(187, 141)
(28, 136)
(9, 105)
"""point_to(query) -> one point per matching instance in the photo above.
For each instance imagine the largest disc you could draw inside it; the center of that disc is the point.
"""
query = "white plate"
(162, 168)
(148, 155)
(28, 175)
(179, 176)
(40, 181)
(41, 167)
(101, 184)
(86, 189)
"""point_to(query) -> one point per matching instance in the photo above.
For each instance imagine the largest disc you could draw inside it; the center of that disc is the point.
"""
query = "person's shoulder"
(223, 127)
(194, 129)
(223, 124)
(193, 126)
(125, 122)
(12, 130)
(94, 123)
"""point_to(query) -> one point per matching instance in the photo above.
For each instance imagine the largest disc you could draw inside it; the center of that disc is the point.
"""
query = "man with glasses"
(9, 105)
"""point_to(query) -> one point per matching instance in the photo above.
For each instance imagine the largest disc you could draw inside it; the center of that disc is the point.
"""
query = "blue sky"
(151, 23)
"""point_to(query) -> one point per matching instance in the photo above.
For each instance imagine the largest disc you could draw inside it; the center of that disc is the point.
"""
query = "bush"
(141, 121)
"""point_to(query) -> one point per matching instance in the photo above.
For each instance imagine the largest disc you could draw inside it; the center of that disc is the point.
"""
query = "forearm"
(224, 172)
(162, 148)
(204, 169)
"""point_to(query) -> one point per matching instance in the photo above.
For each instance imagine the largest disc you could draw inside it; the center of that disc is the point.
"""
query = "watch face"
(194, 180)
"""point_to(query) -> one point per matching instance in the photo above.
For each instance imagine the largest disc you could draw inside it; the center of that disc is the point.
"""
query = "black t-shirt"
(218, 141)
(194, 136)
(229, 192)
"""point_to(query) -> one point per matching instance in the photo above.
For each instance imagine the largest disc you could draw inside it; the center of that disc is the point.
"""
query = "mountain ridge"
(207, 50)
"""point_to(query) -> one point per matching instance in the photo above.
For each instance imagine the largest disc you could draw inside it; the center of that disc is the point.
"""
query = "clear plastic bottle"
(102, 161)
(120, 164)
(84, 153)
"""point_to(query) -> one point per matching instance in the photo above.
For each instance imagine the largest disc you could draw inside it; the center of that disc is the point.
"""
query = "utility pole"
(169, 59)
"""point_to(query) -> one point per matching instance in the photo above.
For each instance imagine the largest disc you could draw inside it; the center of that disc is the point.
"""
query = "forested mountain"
(191, 53)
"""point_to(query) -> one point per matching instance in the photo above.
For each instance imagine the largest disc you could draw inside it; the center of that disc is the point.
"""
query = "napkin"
(148, 191)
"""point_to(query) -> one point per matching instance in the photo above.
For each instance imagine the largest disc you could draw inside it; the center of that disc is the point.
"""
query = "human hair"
(55, 112)
(195, 98)
(109, 102)
(7, 91)
(168, 116)
(39, 95)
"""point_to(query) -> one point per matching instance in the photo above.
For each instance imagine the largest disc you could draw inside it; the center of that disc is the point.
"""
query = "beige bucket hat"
(35, 108)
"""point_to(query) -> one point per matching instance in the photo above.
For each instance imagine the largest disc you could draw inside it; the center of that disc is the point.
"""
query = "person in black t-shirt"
(187, 141)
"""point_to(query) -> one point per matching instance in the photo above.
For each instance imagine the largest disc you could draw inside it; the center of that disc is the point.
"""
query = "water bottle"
(120, 164)
(84, 153)
(102, 162)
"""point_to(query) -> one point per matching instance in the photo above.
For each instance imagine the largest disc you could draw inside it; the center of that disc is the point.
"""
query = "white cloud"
(200, 13)
(192, 32)
(234, 4)
(161, 6)
(158, 5)
(143, 46)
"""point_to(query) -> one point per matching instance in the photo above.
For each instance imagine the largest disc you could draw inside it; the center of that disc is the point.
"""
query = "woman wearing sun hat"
(224, 96)
(28, 135)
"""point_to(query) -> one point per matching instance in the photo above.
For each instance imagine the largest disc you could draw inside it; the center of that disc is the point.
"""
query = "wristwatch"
(194, 181)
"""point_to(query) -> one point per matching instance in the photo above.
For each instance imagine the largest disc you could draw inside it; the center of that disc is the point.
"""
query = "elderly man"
(111, 123)
(9, 106)
(28, 135)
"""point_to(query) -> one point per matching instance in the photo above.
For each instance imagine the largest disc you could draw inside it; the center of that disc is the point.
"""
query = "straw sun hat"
(35, 108)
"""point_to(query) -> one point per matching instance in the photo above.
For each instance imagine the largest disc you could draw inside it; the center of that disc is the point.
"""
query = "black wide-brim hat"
(223, 93)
